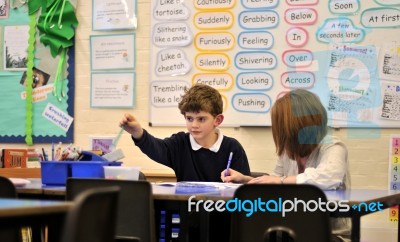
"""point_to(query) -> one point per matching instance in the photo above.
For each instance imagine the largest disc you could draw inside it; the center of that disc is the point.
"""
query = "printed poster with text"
(253, 52)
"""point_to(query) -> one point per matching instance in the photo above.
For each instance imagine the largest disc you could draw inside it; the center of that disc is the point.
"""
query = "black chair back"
(8, 190)
(135, 219)
(93, 217)
(299, 226)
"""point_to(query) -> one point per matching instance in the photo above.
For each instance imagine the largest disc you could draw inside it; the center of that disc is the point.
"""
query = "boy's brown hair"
(201, 98)
(299, 123)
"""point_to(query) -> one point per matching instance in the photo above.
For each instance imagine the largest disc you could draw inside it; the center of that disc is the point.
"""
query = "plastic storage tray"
(57, 172)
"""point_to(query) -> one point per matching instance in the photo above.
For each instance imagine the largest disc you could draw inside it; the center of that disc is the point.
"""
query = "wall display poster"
(253, 52)
(112, 52)
(112, 89)
(394, 172)
(52, 104)
(101, 143)
(114, 14)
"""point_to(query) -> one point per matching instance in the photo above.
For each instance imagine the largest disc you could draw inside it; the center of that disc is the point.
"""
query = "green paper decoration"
(56, 24)
(34, 5)
(29, 80)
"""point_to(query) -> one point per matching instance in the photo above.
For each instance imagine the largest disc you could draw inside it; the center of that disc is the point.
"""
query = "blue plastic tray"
(91, 165)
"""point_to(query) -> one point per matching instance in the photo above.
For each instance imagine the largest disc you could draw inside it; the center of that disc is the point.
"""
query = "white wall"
(368, 157)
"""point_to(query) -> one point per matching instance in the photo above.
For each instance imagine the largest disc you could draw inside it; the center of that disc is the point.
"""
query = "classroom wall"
(368, 156)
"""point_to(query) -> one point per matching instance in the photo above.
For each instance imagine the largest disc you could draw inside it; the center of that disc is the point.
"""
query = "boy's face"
(201, 125)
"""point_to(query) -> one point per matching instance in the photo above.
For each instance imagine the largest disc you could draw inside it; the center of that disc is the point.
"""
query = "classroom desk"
(18, 208)
(357, 196)
(151, 175)
(33, 213)
(168, 193)
(354, 197)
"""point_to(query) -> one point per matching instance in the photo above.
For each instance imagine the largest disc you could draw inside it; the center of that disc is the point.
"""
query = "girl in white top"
(307, 155)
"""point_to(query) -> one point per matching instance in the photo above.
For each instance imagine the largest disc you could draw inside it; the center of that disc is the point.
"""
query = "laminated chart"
(394, 172)
(253, 52)
(225, 44)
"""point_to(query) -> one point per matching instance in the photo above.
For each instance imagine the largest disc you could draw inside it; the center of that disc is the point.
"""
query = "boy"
(201, 153)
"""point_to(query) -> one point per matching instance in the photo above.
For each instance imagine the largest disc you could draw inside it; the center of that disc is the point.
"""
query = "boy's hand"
(234, 176)
(132, 126)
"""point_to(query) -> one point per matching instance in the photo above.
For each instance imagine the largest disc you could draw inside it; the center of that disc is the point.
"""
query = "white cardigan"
(328, 168)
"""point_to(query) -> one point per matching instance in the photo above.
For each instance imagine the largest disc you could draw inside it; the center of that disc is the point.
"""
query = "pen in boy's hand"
(229, 164)
(116, 139)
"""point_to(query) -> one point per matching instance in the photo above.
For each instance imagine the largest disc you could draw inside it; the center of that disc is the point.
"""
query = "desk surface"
(34, 213)
(30, 207)
(169, 192)
(154, 175)
(353, 195)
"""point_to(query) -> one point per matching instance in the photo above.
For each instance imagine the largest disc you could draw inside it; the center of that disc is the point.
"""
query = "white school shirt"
(214, 148)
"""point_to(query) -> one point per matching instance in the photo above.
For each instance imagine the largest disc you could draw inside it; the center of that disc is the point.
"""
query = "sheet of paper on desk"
(18, 182)
(198, 187)
(202, 187)
(219, 185)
